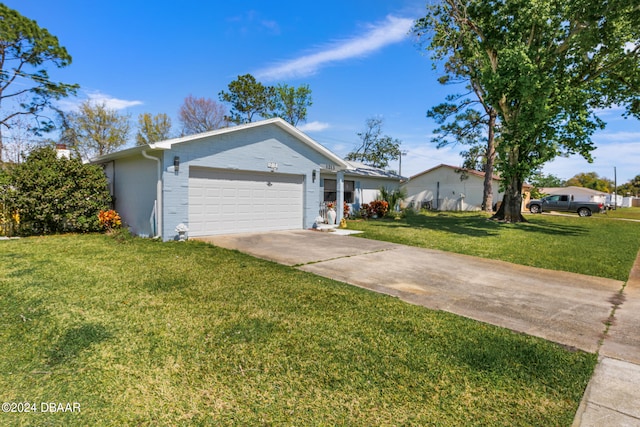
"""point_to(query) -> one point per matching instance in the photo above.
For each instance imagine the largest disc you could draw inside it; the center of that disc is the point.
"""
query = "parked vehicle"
(564, 203)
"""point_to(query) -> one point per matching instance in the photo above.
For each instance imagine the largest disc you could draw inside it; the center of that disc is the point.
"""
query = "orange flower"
(109, 220)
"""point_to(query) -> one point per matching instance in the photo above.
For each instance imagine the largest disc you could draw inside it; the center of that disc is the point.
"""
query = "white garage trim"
(225, 202)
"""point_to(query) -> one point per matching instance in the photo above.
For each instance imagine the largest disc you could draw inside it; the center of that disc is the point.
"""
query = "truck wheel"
(534, 209)
(584, 212)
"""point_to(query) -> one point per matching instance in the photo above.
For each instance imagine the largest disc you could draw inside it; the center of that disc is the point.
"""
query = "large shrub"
(55, 195)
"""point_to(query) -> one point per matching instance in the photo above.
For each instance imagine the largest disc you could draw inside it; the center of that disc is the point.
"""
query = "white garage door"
(222, 202)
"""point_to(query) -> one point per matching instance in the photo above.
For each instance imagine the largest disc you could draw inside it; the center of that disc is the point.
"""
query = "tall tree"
(25, 48)
(96, 130)
(461, 123)
(249, 99)
(375, 149)
(591, 180)
(547, 67)
(291, 103)
(631, 188)
(470, 121)
(199, 115)
(153, 128)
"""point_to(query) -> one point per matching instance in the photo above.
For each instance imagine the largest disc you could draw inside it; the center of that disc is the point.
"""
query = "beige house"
(450, 188)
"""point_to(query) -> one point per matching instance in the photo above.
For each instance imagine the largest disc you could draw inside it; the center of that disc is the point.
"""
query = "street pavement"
(566, 308)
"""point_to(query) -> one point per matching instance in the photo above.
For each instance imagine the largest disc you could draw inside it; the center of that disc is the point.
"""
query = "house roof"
(460, 169)
(455, 169)
(572, 189)
(280, 123)
(361, 169)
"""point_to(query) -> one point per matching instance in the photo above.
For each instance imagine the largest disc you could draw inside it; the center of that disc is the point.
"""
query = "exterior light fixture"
(313, 176)
(176, 163)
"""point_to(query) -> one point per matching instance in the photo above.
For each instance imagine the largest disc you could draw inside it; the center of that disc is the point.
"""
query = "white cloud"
(314, 126)
(379, 35)
(98, 98)
(630, 46)
(111, 102)
(623, 155)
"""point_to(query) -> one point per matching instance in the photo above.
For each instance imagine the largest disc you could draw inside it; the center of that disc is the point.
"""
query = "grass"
(627, 213)
(146, 333)
(596, 246)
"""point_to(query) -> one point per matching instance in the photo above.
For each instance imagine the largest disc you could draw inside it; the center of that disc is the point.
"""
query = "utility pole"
(402, 153)
(615, 189)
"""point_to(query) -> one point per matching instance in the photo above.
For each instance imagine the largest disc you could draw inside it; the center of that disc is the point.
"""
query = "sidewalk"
(613, 395)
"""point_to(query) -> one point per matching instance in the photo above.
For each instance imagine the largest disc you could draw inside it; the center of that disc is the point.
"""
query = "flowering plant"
(345, 209)
(331, 205)
(109, 220)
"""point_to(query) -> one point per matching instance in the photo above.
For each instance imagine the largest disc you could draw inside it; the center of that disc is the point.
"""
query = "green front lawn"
(627, 213)
(148, 333)
(596, 246)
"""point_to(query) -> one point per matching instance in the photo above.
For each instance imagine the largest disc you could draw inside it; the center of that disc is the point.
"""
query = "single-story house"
(451, 188)
(361, 184)
(259, 176)
(580, 194)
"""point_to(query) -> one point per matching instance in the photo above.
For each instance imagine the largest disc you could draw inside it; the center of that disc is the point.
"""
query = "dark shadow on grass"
(473, 226)
(477, 225)
(75, 340)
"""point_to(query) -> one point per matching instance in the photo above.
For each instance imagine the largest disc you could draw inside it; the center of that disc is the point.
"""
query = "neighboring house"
(450, 188)
(259, 176)
(582, 194)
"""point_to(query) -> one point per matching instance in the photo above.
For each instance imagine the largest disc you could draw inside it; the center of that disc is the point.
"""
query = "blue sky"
(355, 55)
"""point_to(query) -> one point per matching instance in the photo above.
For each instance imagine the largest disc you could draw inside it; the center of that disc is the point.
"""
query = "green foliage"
(393, 197)
(545, 66)
(375, 149)
(96, 130)
(25, 48)
(153, 128)
(251, 99)
(248, 98)
(58, 195)
(591, 180)
(291, 103)
(540, 180)
(632, 187)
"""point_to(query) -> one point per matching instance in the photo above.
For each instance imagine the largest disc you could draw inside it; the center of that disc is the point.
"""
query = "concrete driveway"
(562, 307)
(570, 309)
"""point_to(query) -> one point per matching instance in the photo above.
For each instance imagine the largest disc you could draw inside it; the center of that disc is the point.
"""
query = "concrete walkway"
(567, 308)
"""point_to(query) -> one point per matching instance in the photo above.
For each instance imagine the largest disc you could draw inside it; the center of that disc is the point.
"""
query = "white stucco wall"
(134, 187)
(444, 189)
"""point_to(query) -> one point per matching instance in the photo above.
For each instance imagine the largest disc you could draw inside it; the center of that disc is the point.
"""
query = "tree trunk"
(487, 195)
(511, 207)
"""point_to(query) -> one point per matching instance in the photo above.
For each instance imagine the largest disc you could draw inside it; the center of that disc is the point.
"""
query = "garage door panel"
(233, 201)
